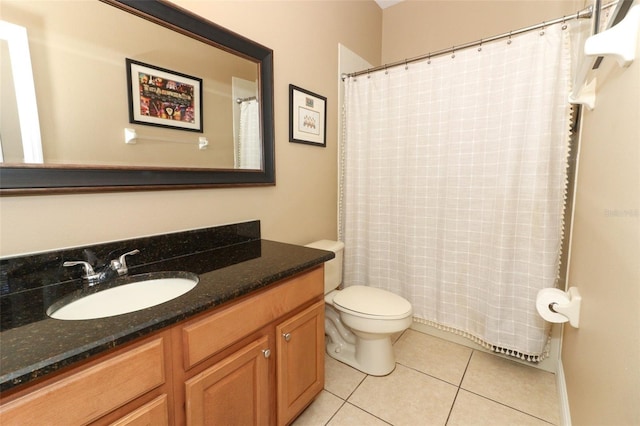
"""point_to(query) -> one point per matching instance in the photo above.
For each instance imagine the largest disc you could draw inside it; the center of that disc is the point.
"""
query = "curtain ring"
(543, 26)
(386, 71)
(406, 66)
(369, 73)
(509, 41)
(429, 58)
(564, 23)
(480, 47)
(453, 52)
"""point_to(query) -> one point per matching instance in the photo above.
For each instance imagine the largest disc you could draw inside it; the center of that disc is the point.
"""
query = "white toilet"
(360, 320)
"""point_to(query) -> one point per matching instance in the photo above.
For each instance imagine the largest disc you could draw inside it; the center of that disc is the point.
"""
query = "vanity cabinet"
(255, 360)
(259, 360)
(116, 387)
(236, 390)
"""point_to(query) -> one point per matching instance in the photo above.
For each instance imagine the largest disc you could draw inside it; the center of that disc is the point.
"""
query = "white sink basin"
(125, 298)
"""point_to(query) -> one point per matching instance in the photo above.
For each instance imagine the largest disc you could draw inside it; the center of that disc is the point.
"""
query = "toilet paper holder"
(571, 310)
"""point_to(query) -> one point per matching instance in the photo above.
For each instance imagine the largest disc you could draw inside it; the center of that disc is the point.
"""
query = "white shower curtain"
(453, 186)
(249, 148)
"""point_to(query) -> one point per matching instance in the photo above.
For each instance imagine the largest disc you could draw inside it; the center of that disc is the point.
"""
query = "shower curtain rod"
(585, 13)
(241, 100)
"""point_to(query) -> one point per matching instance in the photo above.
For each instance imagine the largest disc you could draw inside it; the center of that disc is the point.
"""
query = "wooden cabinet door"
(235, 391)
(300, 361)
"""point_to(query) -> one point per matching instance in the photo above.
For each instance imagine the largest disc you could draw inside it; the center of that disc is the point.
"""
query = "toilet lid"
(372, 302)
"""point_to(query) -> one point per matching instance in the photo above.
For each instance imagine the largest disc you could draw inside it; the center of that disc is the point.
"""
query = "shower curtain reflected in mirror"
(454, 175)
(249, 147)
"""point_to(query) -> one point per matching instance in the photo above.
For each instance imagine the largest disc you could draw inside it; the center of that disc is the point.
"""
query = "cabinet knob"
(287, 336)
(266, 353)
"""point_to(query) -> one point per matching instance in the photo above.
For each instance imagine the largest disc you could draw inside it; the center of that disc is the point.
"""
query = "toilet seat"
(371, 302)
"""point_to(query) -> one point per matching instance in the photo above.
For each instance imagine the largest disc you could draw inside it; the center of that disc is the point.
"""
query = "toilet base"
(374, 357)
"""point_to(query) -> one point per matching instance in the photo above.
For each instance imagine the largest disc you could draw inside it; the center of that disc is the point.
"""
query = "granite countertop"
(38, 345)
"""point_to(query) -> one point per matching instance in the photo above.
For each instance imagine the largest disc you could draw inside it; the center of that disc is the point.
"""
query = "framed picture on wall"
(307, 117)
(160, 97)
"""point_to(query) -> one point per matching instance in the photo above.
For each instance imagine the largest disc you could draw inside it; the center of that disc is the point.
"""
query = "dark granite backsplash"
(38, 280)
(230, 261)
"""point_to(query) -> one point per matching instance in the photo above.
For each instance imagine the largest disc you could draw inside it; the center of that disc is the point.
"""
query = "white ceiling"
(386, 3)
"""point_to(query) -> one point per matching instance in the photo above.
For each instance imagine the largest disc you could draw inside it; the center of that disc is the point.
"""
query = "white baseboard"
(563, 397)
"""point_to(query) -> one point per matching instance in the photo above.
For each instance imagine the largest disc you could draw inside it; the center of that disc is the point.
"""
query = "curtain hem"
(534, 358)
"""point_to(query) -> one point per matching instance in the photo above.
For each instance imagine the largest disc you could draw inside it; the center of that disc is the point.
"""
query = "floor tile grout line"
(453, 403)
(466, 368)
(459, 387)
(345, 402)
(431, 375)
(493, 400)
(427, 374)
(348, 396)
(357, 386)
(451, 408)
(334, 394)
(336, 412)
(506, 406)
(371, 414)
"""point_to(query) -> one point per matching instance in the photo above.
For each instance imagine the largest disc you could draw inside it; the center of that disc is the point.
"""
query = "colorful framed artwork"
(307, 117)
(160, 97)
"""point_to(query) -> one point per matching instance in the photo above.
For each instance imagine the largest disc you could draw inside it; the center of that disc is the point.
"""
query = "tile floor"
(436, 382)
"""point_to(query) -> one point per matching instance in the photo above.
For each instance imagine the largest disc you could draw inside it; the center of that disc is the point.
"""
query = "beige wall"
(416, 27)
(600, 359)
(300, 208)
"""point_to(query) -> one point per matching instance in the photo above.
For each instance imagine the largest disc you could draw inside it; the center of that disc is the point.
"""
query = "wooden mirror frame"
(25, 179)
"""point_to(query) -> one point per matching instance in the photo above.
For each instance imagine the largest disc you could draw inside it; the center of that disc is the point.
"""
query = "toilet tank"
(333, 267)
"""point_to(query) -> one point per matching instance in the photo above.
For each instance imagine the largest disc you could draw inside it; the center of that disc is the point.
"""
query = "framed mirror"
(159, 98)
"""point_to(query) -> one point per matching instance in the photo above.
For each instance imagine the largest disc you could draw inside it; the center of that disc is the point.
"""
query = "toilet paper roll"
(547, 296)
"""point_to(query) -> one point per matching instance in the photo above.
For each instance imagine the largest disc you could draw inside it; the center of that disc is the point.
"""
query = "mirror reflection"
(19, 111)
(78, 52)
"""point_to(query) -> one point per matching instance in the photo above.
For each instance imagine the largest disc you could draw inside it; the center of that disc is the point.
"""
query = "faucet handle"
(88, 269)
(120, 265)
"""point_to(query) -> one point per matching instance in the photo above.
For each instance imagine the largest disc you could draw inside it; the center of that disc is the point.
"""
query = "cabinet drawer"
(219, 330)
(93, 392)
(154, 413)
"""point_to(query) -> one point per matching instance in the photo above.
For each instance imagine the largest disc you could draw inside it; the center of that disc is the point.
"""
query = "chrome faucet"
(89, 274)
(93, 277)
(120, 265)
